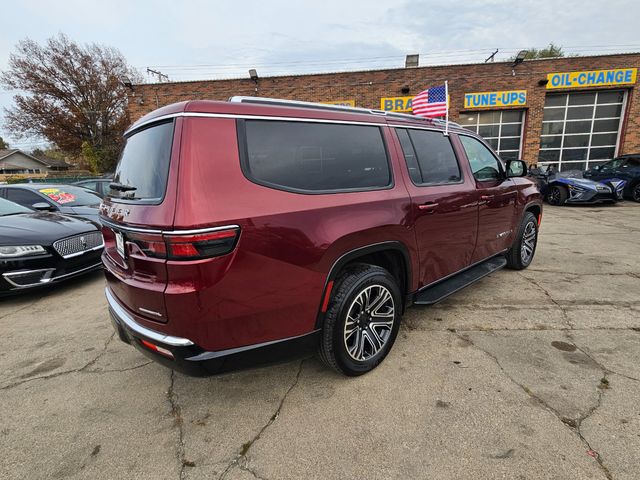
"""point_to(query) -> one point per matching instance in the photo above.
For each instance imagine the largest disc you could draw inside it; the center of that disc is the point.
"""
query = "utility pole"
(161, 76)
(491, 57)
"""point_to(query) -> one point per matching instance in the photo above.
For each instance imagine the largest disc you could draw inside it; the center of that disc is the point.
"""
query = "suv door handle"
(428, 206)
(484, 198)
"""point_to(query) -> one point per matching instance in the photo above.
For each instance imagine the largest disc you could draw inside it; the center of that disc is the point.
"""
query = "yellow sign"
(343, 103)
(509, 98)
(396, 104)
(592, 78)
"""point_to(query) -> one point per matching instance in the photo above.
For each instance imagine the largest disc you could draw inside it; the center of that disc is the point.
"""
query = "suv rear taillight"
(177, 246)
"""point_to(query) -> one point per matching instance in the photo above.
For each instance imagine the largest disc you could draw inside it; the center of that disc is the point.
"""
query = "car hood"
(86, 212)
(41, 228)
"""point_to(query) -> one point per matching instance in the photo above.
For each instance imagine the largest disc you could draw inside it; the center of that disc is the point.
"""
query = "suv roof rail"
(339, 108)
(301, 104)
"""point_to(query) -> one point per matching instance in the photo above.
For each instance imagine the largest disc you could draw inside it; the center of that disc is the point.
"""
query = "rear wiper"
(121, 187)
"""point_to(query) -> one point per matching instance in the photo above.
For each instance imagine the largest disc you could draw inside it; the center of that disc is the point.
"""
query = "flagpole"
(446, 96)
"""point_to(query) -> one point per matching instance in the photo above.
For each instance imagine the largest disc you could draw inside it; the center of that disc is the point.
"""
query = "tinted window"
(483, 164)
(314, 157)
(436, 161)
(410, 157)
(144, 164)
(23, 197)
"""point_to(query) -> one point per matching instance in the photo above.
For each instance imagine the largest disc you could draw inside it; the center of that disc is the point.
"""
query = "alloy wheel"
(528, 242)
(636, 193)
(554, 196)
(369, 322)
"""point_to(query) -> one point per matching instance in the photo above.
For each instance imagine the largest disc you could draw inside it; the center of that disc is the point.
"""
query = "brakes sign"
(58, 195)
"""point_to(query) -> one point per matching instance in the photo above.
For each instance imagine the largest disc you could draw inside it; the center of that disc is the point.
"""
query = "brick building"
(571, 112)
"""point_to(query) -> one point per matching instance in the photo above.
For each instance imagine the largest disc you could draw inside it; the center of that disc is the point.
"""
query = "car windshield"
(9, 208)
(71, 196)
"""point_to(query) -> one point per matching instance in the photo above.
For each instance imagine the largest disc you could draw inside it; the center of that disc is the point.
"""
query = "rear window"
(143, 168)
(314, 157)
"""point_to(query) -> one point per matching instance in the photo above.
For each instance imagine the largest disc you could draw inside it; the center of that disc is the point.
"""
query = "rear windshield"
(71, 196)
(143, 168)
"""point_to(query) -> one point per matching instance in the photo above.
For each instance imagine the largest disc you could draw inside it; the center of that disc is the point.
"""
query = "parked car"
(569, 187)
(296, 227)
(624, 167)
(98, 185)
(40, 248)
(66, 199)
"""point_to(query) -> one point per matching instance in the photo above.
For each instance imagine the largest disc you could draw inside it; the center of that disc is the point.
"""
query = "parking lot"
(532, 374)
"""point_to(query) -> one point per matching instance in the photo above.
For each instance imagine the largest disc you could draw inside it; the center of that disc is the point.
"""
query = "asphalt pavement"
(524, 375)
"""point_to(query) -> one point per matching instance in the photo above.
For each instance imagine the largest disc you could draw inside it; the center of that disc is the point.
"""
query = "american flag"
(431, 103)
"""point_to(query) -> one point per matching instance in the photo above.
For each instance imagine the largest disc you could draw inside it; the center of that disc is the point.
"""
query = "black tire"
(516, 259)
(557, 195)
(635, 192)
(350, 288)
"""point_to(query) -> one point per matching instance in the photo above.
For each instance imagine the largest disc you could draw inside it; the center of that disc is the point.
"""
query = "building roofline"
(39, 160)
(288, 75)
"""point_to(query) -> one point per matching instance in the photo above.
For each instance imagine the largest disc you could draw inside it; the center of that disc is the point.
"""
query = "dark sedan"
(39, 248)
(66, 199)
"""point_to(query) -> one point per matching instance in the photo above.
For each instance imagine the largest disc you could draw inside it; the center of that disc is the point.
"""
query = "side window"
(23, 197)
(484, 164)
(314, 157)
(430, 157)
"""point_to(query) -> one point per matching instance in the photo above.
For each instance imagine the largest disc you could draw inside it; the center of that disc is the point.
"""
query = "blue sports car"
(568, 187)
(624, 167)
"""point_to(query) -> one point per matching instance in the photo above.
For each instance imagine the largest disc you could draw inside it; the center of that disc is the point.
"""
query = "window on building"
(430, 157)
(315, 157)
(502, 129)
(580, 130)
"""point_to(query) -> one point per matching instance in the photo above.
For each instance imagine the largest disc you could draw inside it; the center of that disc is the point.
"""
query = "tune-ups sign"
(511, 98)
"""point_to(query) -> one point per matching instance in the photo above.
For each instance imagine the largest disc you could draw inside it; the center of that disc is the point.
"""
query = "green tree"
(552, 51)
(3, 145)
(69, 94)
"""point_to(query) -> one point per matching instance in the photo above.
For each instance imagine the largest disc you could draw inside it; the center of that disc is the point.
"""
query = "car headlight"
(21, 251)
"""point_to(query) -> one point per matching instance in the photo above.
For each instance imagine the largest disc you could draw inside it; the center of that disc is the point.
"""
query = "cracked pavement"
(532, 374)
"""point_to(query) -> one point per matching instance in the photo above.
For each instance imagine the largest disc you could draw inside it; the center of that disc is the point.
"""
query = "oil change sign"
(509, 98)
(592, 78)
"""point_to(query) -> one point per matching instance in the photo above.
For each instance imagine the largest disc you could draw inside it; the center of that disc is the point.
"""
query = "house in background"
(15, 161)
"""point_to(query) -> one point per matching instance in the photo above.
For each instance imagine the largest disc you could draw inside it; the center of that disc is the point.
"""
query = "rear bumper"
(188, 358)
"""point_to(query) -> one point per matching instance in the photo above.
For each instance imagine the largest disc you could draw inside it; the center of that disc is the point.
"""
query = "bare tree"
(71, 95)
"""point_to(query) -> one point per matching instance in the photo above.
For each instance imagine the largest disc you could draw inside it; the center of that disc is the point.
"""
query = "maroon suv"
(245, 232)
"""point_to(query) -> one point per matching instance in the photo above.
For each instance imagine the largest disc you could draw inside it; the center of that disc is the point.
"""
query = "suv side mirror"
(516, 168)
(597, 167)
(43, 206)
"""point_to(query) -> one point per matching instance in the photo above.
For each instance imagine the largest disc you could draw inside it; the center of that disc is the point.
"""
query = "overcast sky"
(218, 39)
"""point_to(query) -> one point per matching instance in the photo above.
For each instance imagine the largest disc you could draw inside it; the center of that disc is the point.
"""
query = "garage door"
(580, 130)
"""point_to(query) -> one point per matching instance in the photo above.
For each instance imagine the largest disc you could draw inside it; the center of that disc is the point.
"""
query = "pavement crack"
(565, 315)
(82, 369)
(573, 425)
(240, 460)
(176, 413)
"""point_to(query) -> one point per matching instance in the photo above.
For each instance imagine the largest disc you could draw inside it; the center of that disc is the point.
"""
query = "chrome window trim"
(125, 318)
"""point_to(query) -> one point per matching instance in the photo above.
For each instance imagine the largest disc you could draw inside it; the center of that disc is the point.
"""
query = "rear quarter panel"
(271, 287)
